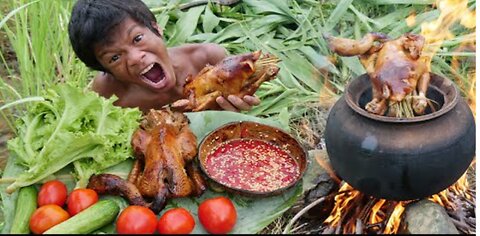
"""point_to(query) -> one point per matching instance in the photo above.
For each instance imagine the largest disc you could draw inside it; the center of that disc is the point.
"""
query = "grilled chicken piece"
(238, 75)
(394, 66)
(113, 184)
(164, 147)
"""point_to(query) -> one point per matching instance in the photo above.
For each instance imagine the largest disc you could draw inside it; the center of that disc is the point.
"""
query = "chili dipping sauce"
(253, 165)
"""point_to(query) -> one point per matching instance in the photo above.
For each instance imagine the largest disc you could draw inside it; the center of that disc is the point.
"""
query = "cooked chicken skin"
(169, 150)
(164, 147)
(394, 66)
(238, 75)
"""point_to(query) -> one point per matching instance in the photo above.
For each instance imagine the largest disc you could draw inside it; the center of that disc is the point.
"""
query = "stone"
(317, 183)
(427, 217)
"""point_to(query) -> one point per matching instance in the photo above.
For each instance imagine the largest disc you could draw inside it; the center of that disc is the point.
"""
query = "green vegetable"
(94, 217)
(71, 125)
(26, 205)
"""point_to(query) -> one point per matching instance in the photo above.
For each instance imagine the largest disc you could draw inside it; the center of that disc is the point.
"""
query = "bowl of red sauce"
(252, 159)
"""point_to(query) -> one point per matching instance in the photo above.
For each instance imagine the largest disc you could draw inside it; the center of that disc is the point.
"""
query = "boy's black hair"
(92, 20)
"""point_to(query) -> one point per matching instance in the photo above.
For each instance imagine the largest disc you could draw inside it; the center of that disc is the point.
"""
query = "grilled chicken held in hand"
(164, 147)
(394, 66)
(237, 75)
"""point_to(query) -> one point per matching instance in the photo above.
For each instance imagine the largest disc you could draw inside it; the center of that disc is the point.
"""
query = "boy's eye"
(138, 38)
(114, 58)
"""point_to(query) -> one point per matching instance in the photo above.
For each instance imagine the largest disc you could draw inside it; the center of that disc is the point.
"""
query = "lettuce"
(71, 126)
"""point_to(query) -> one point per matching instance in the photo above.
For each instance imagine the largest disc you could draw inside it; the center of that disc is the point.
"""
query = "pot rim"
(355, 88)
(304, 159)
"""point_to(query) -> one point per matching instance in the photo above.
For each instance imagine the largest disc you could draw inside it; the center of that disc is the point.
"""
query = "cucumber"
(26, 205)
(94, 217)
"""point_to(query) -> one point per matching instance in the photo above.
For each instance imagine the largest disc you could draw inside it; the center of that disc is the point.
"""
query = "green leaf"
(12, 13)
(185, 26)
(231, 31)
(201, 123)
(11, 170)
(353, 63)
(319, 61)
(270, 6)
(392, 2)
(337, 14)
(284, 117)
(210, 21)
(68, 126)
(303, 70)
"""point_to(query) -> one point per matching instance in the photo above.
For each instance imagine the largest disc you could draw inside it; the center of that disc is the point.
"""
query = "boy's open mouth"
(153, 73)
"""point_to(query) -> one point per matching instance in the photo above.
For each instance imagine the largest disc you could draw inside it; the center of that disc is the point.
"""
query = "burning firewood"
(398, 73)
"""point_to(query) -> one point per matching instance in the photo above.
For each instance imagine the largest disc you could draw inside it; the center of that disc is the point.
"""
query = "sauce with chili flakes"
(253, 165)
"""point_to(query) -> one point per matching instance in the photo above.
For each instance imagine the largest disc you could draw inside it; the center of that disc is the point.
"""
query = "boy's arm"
(215, 53)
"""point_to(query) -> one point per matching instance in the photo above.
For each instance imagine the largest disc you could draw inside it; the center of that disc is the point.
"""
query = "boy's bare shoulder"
(215, 52)
(106, 86)
(205, 53)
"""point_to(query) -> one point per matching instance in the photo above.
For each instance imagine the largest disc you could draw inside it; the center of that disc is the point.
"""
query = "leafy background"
(36, 52)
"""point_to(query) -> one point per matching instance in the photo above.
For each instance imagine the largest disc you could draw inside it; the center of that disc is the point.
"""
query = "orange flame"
(459, 188)
(344, 200)
(374, 217)
(394, 221)
(411, 19)
(435, 32)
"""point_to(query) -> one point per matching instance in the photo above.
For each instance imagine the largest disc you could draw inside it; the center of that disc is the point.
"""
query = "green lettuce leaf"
(71, 125)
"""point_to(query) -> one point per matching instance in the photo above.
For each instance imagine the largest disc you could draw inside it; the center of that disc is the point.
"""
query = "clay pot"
(400, 158)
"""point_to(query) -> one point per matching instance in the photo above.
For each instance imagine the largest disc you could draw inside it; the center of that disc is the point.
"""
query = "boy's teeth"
(147, 69)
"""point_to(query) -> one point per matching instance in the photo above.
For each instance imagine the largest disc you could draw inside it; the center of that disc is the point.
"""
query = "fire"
(435, 32)
(394, 221)
(346, 194)
(461, 187)
(411, 19)
(355, 212)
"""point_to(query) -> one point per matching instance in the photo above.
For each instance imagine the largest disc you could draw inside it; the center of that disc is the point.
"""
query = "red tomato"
(176, 221)
(45, 217)
(217, 215)
(52, 192)
(79, 199)
(136, 220)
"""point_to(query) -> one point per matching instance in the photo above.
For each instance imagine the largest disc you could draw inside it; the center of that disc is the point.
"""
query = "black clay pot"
(400, 158)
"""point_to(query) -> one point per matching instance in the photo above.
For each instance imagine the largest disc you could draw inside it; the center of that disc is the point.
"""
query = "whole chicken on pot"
(396, 69)
(238, 75)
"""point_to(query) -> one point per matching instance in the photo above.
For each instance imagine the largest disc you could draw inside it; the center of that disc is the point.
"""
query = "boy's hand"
(236, 104)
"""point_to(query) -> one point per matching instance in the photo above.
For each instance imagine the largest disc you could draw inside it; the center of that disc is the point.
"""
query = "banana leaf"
(253, 214)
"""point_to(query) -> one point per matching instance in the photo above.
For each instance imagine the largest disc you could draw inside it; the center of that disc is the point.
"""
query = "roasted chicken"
(238, 75)
(395, 67)
(164, 147)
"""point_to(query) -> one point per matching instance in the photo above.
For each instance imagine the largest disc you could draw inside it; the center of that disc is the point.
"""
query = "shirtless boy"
(121, 39)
